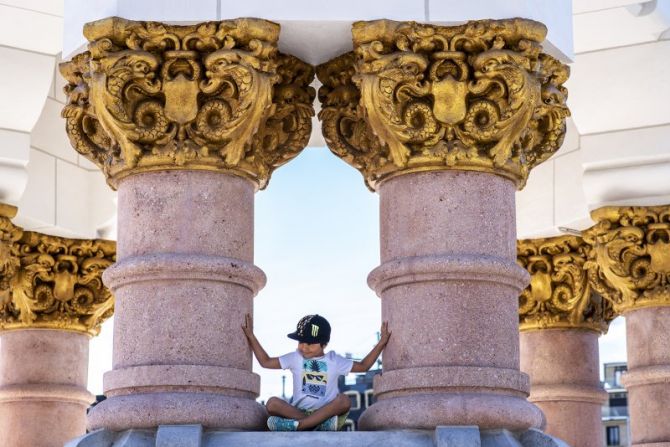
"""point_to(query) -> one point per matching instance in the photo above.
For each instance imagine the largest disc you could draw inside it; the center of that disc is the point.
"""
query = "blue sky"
(316, 239)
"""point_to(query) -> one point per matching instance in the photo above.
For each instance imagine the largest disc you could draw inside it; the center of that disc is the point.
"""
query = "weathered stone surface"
(194, 436)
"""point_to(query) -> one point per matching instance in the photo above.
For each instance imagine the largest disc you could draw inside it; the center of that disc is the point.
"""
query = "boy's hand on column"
(248, 327)
(385, 333)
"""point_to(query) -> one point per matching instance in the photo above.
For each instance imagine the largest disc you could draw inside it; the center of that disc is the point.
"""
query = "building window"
(613, 435)
(355, 398)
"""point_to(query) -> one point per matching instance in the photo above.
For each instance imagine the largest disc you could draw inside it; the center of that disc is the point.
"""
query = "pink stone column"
(187, 131)
(630, 266)
(183, 281)
(449, 288)
(43, 396)
(563, 365)
(648, 378)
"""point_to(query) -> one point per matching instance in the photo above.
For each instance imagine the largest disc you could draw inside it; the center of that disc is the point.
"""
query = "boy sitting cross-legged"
(316, 403)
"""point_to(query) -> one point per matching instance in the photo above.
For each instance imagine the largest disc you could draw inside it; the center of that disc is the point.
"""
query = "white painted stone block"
(25, 80)
(535, 203)
(570, 208)
(37, 208)
(30, 30)
(49, 133)
(72, 207)
(622, 88)
(627, 168)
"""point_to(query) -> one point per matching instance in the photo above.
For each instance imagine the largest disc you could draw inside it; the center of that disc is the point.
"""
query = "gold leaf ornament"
(480, 96)
(629, 263)
(148, 96)
(559, 294)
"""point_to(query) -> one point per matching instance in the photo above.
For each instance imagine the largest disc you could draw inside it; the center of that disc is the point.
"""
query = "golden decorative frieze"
(53, 282)
(629, 263)
(480, 96)
(9, 259)
(559, 295)
(148, 96)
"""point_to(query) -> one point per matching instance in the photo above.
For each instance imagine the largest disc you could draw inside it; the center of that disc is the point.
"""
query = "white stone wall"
(65, 194)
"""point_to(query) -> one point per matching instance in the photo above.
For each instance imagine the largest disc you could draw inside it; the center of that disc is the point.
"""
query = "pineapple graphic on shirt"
(314, 377)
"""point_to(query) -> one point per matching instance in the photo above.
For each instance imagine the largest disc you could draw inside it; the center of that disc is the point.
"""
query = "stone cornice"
(148, 96)
(480, 96)
(559, 295)
(629, 263)
(52, 282)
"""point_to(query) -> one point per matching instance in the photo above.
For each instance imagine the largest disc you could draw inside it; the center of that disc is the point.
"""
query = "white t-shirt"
(315, 379)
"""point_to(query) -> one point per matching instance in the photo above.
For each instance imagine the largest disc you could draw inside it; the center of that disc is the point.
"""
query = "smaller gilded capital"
(53, 282)
(411, 97)
(216, 96)
(629, 262)
(559, 295)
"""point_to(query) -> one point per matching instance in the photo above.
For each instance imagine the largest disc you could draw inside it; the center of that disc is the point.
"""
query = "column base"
(195, 436)
(148, 411)
(427, 411)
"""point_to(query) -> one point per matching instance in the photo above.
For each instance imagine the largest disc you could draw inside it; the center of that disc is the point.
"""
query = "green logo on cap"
(315, 330)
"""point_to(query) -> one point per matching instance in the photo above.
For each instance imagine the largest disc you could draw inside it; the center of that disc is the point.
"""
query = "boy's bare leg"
(279, 407)
(338, 406)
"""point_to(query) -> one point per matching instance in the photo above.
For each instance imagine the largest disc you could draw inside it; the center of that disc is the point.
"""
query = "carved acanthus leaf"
(480, 96)
(148, 96)
(53, 282)
(629, 262)
(559, 295)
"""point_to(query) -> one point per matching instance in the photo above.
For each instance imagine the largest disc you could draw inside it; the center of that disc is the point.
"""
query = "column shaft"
(43, 396)
(185, 245)
(565, 383)
(449, 287)
(648, 376)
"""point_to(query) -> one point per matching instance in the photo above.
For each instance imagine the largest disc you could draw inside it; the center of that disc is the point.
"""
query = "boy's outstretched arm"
(263, 358)
(372, 356)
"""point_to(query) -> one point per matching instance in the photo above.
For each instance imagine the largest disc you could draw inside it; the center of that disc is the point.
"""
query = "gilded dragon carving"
(53, 282)
(559, 294)
(629, 263)
(213, 96)
(480, 96)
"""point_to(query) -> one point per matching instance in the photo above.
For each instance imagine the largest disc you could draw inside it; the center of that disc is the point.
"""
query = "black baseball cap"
(312, 329)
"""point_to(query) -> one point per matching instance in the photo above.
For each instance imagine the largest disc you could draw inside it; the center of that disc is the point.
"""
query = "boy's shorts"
(341, 418)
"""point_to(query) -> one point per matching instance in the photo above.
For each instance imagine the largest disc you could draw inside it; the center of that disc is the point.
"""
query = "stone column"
(445, 123)
(630, 266)
(187, 122)
(561, 318)
(51, 302)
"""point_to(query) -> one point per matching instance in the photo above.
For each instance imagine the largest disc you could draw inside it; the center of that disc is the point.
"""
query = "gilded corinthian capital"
(52, 282)
(147, 96)
(559, 294)
(629, 263)
(411, 97)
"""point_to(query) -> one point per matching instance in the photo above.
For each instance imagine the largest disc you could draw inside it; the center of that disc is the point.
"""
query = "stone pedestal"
(563, 365)
(195, 436)
(43, 396)
(648, 378)
(449, 286)
(183, 282)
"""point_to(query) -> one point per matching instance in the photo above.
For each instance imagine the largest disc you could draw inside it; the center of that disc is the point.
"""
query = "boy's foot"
(276, 423)
(329, 424)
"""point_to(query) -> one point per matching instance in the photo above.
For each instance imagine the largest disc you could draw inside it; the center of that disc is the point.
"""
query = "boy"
(316, 403)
